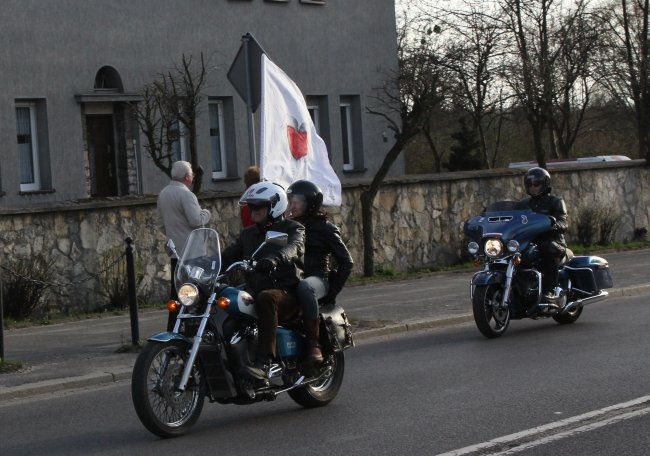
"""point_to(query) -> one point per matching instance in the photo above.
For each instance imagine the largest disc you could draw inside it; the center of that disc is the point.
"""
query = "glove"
(265, 265)
(553, 222)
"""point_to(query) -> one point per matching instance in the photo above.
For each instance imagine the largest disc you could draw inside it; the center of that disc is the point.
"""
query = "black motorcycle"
(216, 335)
(510, 284)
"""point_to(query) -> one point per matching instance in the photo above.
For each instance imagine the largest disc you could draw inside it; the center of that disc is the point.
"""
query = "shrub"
(588, 221)
(113, 278)
(609, 223)
(24, 282)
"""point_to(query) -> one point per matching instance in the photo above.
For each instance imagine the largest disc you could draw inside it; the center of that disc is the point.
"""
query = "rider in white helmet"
(278, 269)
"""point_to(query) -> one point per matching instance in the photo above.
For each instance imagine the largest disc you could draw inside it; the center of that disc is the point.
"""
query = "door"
(101, 154)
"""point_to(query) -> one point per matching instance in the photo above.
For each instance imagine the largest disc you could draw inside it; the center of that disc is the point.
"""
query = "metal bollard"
(133, 303)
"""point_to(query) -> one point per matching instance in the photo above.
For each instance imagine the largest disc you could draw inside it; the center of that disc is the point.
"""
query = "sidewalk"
(83, 353)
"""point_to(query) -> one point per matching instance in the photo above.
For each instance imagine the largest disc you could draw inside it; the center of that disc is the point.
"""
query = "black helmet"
(537, 176)
(311, 192)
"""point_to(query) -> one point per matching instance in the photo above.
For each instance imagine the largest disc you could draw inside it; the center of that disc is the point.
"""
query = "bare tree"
(168, 112)
(626, 65)
(549, 68)
(474, 50)
(406, 102)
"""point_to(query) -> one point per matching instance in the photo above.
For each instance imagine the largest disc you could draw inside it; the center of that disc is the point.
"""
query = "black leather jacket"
(552, 206)
(288, 258)
(323, 239)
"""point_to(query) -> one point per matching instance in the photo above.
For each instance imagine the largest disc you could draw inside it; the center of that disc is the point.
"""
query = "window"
(178, 134)
(217, 140)
(346, 136)
(351, 140)
(27, 140)
(315, 116)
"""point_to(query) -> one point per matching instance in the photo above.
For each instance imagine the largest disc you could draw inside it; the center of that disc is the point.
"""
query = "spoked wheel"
(322, 392)
(490, 318)
(162, 408)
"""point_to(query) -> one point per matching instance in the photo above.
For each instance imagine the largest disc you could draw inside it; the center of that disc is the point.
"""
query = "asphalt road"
(422, 393)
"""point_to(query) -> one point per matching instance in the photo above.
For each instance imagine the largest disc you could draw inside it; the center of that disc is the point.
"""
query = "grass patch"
(7, 367)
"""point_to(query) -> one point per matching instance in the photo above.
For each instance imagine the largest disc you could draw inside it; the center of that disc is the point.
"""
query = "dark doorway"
(101, 155)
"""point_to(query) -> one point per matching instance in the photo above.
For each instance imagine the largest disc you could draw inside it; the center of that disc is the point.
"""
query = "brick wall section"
(418, 221)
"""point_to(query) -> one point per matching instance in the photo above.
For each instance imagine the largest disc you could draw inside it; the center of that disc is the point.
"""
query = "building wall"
(51, 51)
(418, 223)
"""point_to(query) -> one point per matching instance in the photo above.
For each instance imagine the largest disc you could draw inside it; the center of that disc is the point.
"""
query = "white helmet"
(267, 193)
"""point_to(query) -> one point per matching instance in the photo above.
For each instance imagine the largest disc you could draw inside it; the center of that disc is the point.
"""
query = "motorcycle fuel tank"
(241, 303)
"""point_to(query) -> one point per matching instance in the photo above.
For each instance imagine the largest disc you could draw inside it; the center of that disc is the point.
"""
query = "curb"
(124, 373)
(61, 384)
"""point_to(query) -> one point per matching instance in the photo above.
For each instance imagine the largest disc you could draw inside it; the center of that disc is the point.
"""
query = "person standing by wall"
(251, 177)
(179, 213)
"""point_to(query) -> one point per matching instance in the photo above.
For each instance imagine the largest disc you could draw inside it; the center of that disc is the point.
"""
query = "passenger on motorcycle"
(278, 268)
(321, 282)
(552, 245)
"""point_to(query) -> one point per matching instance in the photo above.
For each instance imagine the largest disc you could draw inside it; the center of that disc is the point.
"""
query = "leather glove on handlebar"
(265, 265)
(553, 222)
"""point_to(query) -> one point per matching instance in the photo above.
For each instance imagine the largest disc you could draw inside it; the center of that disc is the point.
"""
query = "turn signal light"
(516, 260)
(172, 305)
(223, 302)
(477, 262)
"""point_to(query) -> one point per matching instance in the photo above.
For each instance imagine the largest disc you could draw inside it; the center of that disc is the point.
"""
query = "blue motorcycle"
(503, 238)
(216, 335)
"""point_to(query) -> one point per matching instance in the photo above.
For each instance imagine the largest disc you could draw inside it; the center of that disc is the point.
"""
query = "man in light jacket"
(180, 213)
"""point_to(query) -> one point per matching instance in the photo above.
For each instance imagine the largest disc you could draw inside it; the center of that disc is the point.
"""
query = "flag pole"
(249, 108)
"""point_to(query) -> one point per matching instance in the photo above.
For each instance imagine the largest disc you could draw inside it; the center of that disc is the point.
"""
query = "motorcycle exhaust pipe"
(584, 301)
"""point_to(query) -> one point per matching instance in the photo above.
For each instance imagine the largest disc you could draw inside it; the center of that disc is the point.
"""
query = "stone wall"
(418, 221)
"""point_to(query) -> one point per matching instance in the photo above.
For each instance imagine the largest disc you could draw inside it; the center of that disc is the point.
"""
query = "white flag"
(290, 148)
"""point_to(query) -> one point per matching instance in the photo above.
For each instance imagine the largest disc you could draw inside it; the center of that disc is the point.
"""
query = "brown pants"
(273, 306)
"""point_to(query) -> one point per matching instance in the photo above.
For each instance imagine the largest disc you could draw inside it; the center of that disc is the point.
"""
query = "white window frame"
(314, 112)
(221, 138)
(347, 140)
(36, 184)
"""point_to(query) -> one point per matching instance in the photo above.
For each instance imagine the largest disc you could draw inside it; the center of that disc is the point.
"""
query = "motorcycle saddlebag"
(589, 273)
(337, 326)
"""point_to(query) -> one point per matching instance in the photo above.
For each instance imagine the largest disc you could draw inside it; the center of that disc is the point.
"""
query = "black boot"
(315, 356)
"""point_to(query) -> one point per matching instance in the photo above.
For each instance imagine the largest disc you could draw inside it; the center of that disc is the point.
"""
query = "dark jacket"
(288, 258)
(323, 239)
(552, 206)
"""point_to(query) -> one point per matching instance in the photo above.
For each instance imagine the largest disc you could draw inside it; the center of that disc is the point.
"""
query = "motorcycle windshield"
(201, 260)
(507, 220)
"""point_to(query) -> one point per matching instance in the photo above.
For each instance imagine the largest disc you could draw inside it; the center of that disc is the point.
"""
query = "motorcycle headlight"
(493, 248)
(188, 294)
(513, 246)
(472, 248)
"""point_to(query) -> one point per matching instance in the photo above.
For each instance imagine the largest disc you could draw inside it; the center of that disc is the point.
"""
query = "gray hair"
(180, 169)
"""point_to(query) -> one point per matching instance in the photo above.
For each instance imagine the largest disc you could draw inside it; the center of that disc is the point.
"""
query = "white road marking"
(540, 435)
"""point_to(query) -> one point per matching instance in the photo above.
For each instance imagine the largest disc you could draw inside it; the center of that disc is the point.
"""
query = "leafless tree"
(406, 102)
(626, 64)
(549, 68)
(168, 113)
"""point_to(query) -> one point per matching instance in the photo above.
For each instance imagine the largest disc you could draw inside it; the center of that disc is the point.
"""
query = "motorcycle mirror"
(277, 238)
(273, 237)
(171, 248)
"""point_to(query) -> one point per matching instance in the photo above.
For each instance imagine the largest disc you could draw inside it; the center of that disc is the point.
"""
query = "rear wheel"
(569, 317)
(162, 408)
(322, 392)
(491, 319)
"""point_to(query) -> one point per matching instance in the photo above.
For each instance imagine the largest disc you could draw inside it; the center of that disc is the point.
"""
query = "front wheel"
(322, 392)
(491, 319)
(162, 408)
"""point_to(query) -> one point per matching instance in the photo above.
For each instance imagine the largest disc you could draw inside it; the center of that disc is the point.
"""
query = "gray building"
(71, 70)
